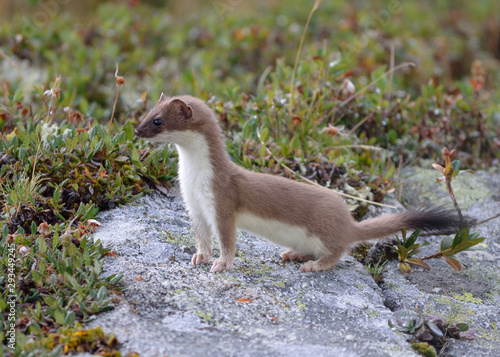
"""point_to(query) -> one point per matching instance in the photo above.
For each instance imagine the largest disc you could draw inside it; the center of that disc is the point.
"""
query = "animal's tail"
(430, 220)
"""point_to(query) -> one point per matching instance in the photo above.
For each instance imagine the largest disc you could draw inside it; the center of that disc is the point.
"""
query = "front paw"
(221, 265)
(200, 258)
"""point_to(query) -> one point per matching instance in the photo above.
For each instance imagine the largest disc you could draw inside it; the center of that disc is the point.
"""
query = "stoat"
(314, 223)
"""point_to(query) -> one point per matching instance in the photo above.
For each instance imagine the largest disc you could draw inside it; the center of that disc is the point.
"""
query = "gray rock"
(265, 307)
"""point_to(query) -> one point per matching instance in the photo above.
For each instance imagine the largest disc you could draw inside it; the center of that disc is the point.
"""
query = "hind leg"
(326, 262)
(290, 254)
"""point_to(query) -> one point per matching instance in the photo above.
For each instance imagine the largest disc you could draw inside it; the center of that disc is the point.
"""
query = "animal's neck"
(201, 154)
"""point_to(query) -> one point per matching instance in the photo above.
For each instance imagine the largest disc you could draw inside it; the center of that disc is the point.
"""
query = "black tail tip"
(436, 219)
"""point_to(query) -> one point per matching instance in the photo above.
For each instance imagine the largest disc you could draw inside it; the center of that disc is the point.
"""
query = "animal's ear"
(182, 108)
(162, 97)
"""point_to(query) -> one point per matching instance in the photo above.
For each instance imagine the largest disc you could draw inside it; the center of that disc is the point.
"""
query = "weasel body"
(313, 222)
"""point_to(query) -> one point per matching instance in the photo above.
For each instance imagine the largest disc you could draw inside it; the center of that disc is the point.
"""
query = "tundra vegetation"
(341, 95)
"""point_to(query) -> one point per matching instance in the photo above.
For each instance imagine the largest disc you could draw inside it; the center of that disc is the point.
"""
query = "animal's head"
(169, 118)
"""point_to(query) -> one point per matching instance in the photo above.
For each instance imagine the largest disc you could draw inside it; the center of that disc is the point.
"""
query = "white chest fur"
(196, 175)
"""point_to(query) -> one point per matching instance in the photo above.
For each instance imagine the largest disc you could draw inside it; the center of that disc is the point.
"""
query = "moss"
(455, 312)
(73, 340)
(280, 283)
(424, 349)
(468, 188)
(360, 251)
(392, 286)
(467, 297)
(205, 316)
(301, 305)
(372, 313)
(489, 334)
(178, 238)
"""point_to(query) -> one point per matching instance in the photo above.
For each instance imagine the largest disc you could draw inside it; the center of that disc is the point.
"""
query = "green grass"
(59, 164)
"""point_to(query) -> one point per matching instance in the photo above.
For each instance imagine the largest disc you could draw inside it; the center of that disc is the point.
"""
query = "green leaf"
(446, 243)
(264, 134)
(412, 247)
(413, 238)
(116, 279)
(84, 105)
(456, 165)
(80, 210)
(463, 326)
(402, 252)
(460, 237)
(418, 262)
(295, 143)
(42, 245)
(57, 194)
(102, 293)
(50, 302)
(392, 136)
(434, 329)
(455, 264)
(59, 316)
(55, 241)
(73, 282)
(466, 245)
(70, 318)
(262, 150)
(405, 268)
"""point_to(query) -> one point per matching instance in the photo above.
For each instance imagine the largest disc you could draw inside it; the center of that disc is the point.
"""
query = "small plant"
(376, 270)
(406, 248)
(450, 171)
(431, 334)
(19, 192)
(463, 240)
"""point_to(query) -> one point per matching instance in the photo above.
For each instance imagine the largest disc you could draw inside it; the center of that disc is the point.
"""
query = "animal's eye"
(157, 122)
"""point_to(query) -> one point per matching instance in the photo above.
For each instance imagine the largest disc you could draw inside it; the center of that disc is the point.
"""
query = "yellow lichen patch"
(468, 297)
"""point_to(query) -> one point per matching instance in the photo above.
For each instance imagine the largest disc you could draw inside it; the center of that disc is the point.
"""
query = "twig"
(452, 195)
(433, 256)
(5, 87)
(358, 124)
(366, 147)
(291, 172)
(119, 82)
(487, 219)
(297, 56)
(391, 67)
(355, 95)
(358, 93)
(54, 92)
(11, 61)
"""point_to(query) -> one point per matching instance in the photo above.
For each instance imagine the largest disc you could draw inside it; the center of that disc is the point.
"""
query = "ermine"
(314, 223)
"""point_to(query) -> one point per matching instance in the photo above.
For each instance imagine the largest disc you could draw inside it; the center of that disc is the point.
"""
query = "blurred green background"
(206, 47)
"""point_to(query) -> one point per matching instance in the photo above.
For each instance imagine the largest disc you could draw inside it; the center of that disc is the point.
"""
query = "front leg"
(203, 235)
(227, 241)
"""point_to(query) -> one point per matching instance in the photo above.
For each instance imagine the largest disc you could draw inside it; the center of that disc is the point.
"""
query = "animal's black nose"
(137, 133)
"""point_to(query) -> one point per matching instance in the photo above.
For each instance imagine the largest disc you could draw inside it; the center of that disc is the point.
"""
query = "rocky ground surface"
(265, 307)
